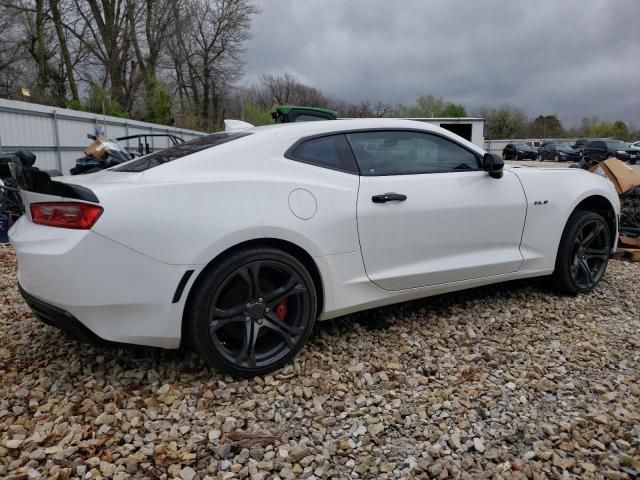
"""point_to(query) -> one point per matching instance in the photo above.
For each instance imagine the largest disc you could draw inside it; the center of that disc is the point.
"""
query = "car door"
(428, 214)
(598, 151)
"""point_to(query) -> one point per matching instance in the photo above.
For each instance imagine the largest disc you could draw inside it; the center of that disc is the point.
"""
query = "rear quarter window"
(178, 151)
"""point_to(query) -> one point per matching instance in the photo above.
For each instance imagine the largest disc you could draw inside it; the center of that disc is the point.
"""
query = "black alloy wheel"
(253, 312)
(590, 254)
(583, 254)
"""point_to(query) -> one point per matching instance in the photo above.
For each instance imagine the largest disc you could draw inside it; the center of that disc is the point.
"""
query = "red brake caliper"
(281, 309)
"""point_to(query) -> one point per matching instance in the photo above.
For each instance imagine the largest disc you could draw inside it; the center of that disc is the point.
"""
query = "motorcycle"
(103, 154)
(100, 155)
(11, 207)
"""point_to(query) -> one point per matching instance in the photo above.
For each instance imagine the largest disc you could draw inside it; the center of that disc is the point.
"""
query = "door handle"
(388, 197)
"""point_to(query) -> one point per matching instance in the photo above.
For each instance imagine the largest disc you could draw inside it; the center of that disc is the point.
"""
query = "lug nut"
(267, 309)
(259, 321)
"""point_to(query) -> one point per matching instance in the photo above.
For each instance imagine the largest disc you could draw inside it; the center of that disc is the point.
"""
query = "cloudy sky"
(575, 58)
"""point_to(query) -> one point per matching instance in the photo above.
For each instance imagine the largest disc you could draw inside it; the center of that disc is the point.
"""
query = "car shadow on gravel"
(54, 347)
(383, 318)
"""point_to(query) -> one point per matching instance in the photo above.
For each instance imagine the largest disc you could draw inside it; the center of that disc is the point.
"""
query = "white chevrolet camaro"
(237, 242)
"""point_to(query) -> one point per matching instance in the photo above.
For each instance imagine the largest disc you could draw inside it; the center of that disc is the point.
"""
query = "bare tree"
(127, 51)
(207, 51)
(15, 61)
(286, 89)
(56, 17)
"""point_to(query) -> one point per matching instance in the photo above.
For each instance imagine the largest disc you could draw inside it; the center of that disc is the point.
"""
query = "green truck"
(293, 113)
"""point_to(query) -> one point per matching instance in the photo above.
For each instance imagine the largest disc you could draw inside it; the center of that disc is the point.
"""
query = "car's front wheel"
(252, 312)
(583, 254)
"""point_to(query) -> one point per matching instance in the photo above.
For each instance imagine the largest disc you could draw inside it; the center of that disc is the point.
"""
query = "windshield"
(617, 144)
(564, 148)
(178, 151)
(523, 146)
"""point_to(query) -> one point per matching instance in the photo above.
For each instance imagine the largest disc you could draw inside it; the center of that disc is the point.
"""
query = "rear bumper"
(61, 319)
(97, 289)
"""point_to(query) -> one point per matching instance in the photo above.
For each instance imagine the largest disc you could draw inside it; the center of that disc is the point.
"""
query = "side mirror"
(493, 164)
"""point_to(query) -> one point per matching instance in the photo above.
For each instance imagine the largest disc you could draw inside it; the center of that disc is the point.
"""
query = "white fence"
(58, 136)
(496, 146)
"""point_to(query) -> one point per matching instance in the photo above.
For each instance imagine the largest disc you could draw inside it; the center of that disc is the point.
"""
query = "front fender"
(552, 196)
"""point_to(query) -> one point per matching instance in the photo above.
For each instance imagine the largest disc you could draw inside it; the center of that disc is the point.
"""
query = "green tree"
(453, 110)
(157, 108)
(546, 126)
(504, 122)
(256, 115)
(620, 130)
(594, 127)
(99, 101)
(430, 106)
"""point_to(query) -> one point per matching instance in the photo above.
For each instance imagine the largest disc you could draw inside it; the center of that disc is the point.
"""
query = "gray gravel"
(507, 381)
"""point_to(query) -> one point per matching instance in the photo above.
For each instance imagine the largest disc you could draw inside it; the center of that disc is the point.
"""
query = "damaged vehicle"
(236, 243)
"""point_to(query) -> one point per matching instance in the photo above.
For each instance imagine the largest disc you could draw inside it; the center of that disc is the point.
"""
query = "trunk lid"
(38, 186)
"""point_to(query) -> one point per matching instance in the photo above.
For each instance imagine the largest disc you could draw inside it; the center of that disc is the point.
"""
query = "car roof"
(329, 126)
(306, 129)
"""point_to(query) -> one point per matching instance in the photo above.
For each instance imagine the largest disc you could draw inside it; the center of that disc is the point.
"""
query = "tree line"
(180, 62)
(164, 61)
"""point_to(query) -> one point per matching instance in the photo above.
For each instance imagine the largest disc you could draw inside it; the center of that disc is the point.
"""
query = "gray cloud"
(570, 57)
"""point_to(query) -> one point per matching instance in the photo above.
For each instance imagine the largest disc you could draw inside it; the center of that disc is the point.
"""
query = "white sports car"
(237, 242)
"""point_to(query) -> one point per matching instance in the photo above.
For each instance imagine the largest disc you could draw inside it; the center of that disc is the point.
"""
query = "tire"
(630, 210)
(582, 257)
(252, 312)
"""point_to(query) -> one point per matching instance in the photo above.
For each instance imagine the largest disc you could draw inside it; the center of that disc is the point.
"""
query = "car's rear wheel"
(583, 254)
(252, 312)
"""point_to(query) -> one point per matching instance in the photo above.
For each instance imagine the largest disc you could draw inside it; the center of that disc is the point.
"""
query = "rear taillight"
(81, 216)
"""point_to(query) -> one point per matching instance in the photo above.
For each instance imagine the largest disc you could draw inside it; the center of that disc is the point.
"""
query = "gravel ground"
(506, 381)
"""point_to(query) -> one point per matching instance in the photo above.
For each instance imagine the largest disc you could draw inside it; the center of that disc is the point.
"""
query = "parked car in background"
(635, 145)
(559, 152)
(519, 151)
(579, 144)
(598, 150)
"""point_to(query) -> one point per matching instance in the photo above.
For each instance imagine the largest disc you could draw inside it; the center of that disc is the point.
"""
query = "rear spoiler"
(33, 180)
(236, 125)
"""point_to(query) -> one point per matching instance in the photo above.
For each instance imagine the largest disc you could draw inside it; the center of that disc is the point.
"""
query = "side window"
(401, 153)
(331, 151)
(321, 150)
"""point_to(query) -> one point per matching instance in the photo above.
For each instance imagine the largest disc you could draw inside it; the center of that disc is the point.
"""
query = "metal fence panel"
(58, 136)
